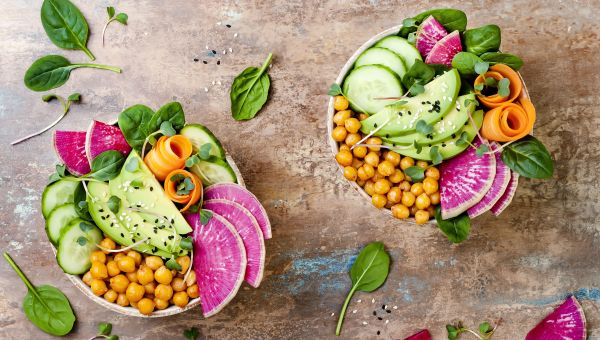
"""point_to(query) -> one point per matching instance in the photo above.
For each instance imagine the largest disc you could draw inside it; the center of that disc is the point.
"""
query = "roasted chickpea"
(122, 300)
(404, 186)
(126, 264)
(417, 189)
(422, 202)
(386, 168)
(353, 138)
(135, 292)
(153, 262)
(362, 116)
(408, 198)
(344, 146)
(431, 210)
(435, 198)
(193, 291)
(178, 284)
(352, 125)
(181, 299)
(344, 158)
(432, 172)
(132, 277)
(98, 256)
(382, 186)
(374, 141)
(350, 173)
(394, 195)
(357, 163)
(360, 151)
(378, 200)
(98, 287)
(160, 303)
(430, 185)
(163, 275)
(133, 304)
(113, 268)
(422, 164)
(340, 103)
(119, 283)
(137, 257)
(145, 306)
(372, 158)
(87, 278)
(99, 270)
(150, 287)
(340, 117)
(406, 163)
(421, 216)
(111, 295)
(191, 279)
(108, 244)
(118, 256)
(339, 133)
(400, 211)
(163, 291)
(360, 182)
(366, 171)
(184, 262)
(413, 210)
(145, 275)
(369, 187)
(393, 157)
(397, 176)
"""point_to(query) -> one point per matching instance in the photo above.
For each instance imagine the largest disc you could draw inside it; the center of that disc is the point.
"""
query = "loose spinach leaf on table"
(503, 58)
(65, 25)
(451, 19)
(171, 112)
(456, 228)
(191, 334)
(53, 71)
(369, 271)
(133, 122)
(250, 91)
(45, 306)
(482, 39)
(529, 158)
(107, 165)
(465, 63)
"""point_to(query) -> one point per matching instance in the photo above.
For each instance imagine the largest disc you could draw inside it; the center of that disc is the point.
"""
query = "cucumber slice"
(382, 56)
(213, 171)
(57, 193)
(199, 135)
(58, 219)
(77, 241)
(371, 81)
(401, 47)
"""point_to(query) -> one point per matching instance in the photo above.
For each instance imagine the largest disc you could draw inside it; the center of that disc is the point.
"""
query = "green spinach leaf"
(465, 63)
(171, 112)
(420, 73)
(65, 25)
(107, 165)
(482, 39)
(456, 229)
(416, 173)
(133, 122)
(529, 158)
(369, 271)
(191, 334)
(53, 71)
(250, 91)
(451, 19)
(80, 201)
(510, 60)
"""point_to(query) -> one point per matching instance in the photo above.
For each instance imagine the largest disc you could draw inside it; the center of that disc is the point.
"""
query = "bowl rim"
(131, 311)
(333, 145)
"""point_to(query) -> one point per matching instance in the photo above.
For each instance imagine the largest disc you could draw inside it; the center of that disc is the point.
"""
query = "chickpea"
(111, 295)
(386, 168)
(350, 173)
(394, 195)
(161, 304)
(98, 270)
(146, 306)
(357, 163)
(430, 185)
(417, 189)
(421, 216)
(378, 200)
(339, 133)
(344, 146)
(145, 275)
(135, 292)
(191, 279)
(178, 284)
(163, 275)
(126, 264)
(360, 151)
(431, 210)
(87, 278)
(397, 176)
(137, 257)
(98, 287)
(340, 103)
(132, 277)
(372, 159)
(432, 172)
(352, 125)
(422, 202)
(150, 287)
(382, 186)
(393, 157)
(400, 211)
(122, 300)
(133, 304)
(119, 283)
(181, 299)
(360, 182)
(353, 138)
(435, 198)
(108, 244)
(98, 256)
(365, 172)
(193, 291)
(344, 158)
(340, 117)
(406, 163)
(422, 164)
(184, 262)
(377, 177)
(163, 292)
(153, 262)
(113, 268)
(118, 256)
(375, 141)
(370, 188)
(408, 198)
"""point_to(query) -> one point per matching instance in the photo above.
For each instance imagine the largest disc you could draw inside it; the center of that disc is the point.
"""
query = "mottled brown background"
(516, 267)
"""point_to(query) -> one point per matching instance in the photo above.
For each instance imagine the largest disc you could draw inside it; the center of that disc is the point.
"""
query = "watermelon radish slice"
(499, 185)
(249, 230)
(444, 50)
(464, 180)
(70, 149)
(429, 32)
(102, 137)
(219, 262)
(422, 335)
(567, 321)
(238, 194)
(507, 196)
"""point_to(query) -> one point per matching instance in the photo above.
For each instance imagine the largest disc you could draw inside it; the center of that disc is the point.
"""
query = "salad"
(434, 121)
(150, 214)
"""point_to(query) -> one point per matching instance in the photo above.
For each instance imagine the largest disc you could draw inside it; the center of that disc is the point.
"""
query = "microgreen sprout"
(484, 331)
(120, 17)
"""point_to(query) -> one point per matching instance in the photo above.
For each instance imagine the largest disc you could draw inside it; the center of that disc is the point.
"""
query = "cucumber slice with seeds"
(199, 135)
(213, 171)
(57, 193)
(401, 47)
(58, 219)
(382, 56)
(77, 241)
(365, 83)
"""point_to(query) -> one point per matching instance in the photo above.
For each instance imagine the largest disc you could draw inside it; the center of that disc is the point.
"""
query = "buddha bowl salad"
(434, 121)
(149, 214)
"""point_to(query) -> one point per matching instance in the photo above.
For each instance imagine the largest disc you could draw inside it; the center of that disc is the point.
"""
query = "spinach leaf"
(416, 173)
(529, 158)
(171, 112)
(133, 122)
(107, 165)
(53, 71)
(457, 228)
(335, 90)
(191, 334)
(451, 19)
(482, 39)
(368, 273)
(80, 201)
(45, 306)
(503, 58)
(464, 63)
(65, 25)
(250, 91)
(419, 72)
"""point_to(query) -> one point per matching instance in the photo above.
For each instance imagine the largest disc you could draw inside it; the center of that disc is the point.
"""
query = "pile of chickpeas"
(139, 280)
(381, 173)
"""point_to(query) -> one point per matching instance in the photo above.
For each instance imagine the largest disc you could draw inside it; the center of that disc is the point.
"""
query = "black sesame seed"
(133, 240)
(122, 235)
(218, 62)
(382, 306)
(156, 220)
(387, 135)
(453, 135)
(205, 62)
(379, 318)
(196, 60)
(375, 125)
(112, 224)
(103, 217)
(378, 332)
(423, 103)
(151, 188)
(172, 221)
(165, 243)
(138, 234)
(375, 313)
(101, 210)
(228, 26)
(214, 52)
(171, 237)
(429, 145)
(443, 145)
(388, 311)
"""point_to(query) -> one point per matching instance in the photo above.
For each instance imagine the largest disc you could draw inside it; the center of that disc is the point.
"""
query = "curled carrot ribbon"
(498, 72)
(168, 154)
(188, 199)
(509, 121)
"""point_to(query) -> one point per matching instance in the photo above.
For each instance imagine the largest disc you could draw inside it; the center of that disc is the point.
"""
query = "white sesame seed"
(235, 35)
(365, 323)
(354, 311)
(387, 321)
(224, 51)
(373, 300)
(213, 82)
(206, 89)
(219, 23)
(332, 314)
(384, 306)
(230, 50)
(359, 301)
(395, 307)
(207, 47)
(218, 82)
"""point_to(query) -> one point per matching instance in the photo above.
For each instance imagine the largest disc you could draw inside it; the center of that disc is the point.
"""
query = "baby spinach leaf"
(80, 201)
(250, 91)
(451, 19)
(456, 229)
(171, 112)
(369, 271)
(465, 63)
(45, 306)
(419, 72)
(107, 165)
(65, 25)
(416, 173)
(114, 204)
(53, 71)
(482, 39)
(133, 122)
(529, 158)
(510, 60)
(335, 90)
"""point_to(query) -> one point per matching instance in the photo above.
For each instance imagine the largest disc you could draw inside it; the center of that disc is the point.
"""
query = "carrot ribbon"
(509, 121)
(168, 154)
(498, 72)
(188, 199)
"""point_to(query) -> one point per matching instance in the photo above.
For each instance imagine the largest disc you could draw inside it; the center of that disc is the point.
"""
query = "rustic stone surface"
(516, 267)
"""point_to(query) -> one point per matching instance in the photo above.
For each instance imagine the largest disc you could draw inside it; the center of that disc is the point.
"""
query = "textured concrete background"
(516, 267)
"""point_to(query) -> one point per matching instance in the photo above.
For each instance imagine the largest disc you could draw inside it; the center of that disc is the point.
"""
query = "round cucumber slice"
(401, 47)
(214, 170)
(77, 241)
(199, 135)
(365, 83)
(58, 219)
(57, 193)
(382, 56)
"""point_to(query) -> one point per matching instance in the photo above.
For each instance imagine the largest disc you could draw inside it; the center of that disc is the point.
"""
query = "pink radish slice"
(507, 196)
(238, 194)
(219, 262)
(248, 229)
(102, 137)
(499, 185)
(567, 321)
(422, 335)
(429, 32)
(70, 149)
(444, 50)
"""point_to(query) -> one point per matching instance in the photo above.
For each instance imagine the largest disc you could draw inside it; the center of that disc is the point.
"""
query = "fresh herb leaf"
(335, 90)
(409, 22)
(110, 11)
(250, 91)
(482, 39)
(491, 82)
(423, 128)
(436, 156)
(420, 73)
(104, 328)
(482, 149)
(107, 165)
(418, 147)
(113, 337)
(65, 25)
(205, 216)
(369, 272)
(61, 172)
(478, 87)
(416, 89)
(416, 173)
(193, 159)
(49, 97)
(503, 58)
(172, 264)
(465, 63)
(114, 204)
(74, 97)
(121, 18)
(503, 87)
(463, 139)
(85, 226)
(186, 243)
(166, 128)
(80, 201)
(529, 158)
(132, 165)
(191, 334)
(481, 67)
(177, 178)
(456, 228)
(412, 38)
(82, 240)
(204, 152)
(485, 327)
(185, 187)
(452, 332)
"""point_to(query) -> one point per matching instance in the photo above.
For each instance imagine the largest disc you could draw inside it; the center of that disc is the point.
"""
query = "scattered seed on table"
(373, 300)
(196, 59)
(379, 318)
(359, 301)
(213, 82)
(219, 23)
(205, 62)
(332, 314)
(354, 311)
(365, 323)
(388, 311)
(386, 321)
(206, 89)
(224, 51)
(228, 26)
(218, 62)
(207, 47)
(235, 35)
(383, 306)
(219, 82)
(375, 313)
(230, 50)
(395, 307)
(378, 332)
(214, 52)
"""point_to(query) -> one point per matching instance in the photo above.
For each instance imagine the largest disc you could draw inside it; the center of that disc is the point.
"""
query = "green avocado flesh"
(439, 97)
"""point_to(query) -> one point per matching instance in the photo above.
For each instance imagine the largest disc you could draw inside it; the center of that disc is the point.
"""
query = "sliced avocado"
(438, 98)
(112, 226)
(137, 185)
(446, 127)
(448, 147)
